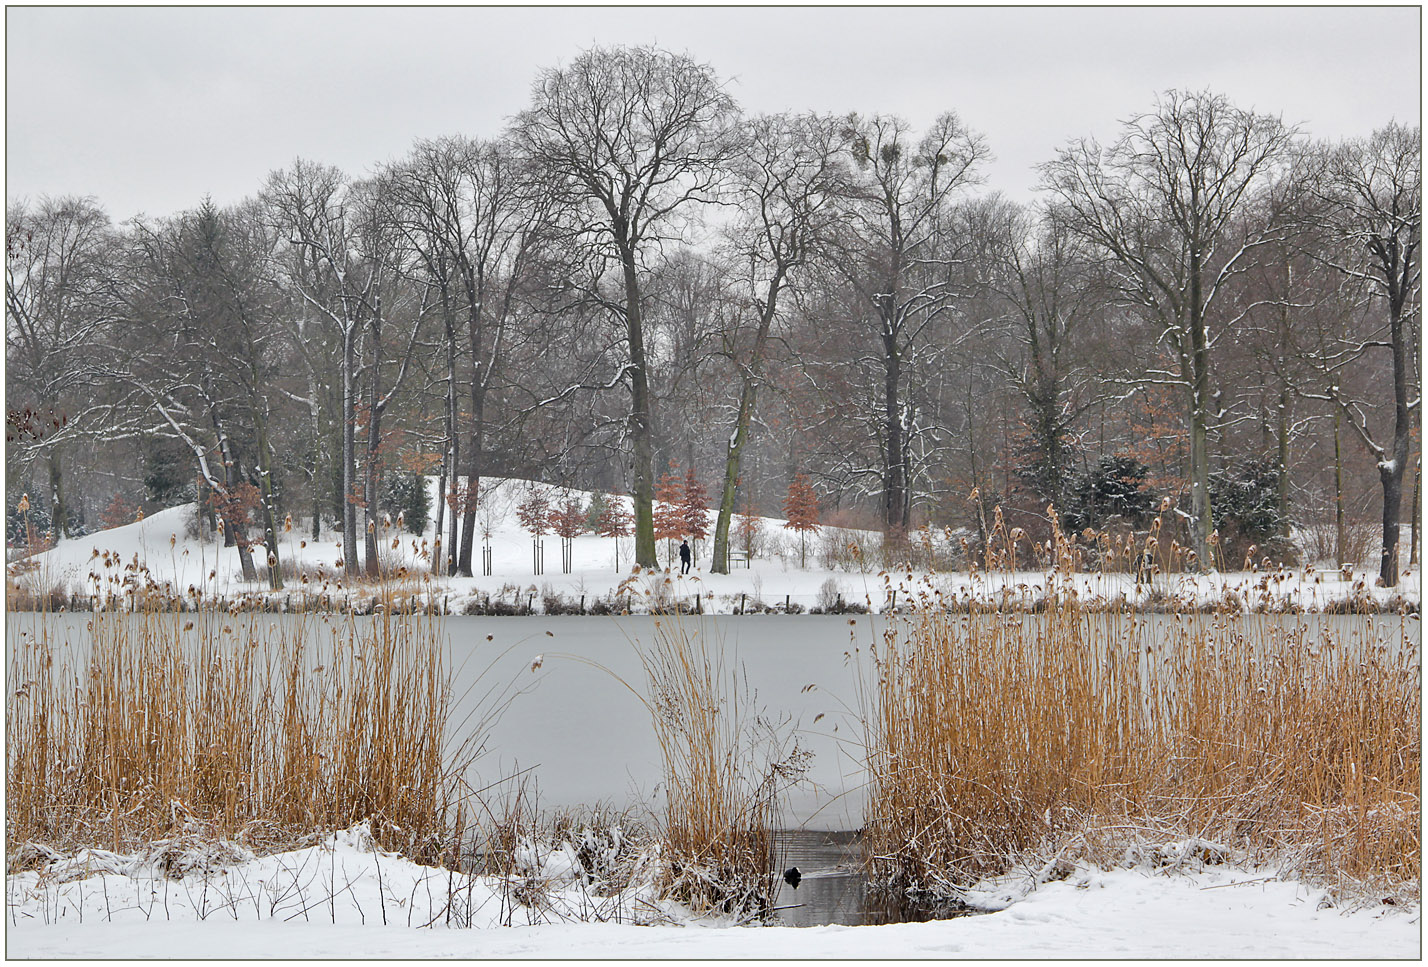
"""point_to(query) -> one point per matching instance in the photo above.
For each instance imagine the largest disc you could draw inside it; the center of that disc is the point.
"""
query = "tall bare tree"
(897, 254)
(322, 263)
(1373, 190)
(786, 176)
(477, 220)
(56, 253)
(1047, 293)
(633, 138)
(1161, 203)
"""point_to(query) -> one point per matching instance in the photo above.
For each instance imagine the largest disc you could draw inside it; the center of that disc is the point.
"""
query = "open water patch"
(833, 888)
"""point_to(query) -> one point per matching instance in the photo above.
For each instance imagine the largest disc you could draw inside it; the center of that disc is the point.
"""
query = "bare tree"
(1047, 293)
(1161, 204)
(786, 176)
(56, 254)
(633, 138)
(897, 254)
(322, 263)
(1373, 189)
(477, 219)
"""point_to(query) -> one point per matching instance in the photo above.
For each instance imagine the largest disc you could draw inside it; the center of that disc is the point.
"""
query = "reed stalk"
(991, 735)
(133, 727)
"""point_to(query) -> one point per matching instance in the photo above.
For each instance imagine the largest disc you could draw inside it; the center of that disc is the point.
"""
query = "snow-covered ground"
(355, 902)
(774, 578)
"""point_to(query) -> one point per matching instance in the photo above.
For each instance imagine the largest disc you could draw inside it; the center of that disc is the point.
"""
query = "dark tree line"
(1210, 305)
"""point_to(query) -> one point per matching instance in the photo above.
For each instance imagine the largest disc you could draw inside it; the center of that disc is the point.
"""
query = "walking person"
(684, 557)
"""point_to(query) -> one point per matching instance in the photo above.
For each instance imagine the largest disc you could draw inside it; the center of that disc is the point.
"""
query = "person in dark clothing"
(684, 557)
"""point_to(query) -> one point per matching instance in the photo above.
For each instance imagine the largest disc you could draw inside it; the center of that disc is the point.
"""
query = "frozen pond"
(587, 737)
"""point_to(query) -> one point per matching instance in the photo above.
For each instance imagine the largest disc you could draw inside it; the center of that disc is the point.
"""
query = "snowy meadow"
(1078, 763)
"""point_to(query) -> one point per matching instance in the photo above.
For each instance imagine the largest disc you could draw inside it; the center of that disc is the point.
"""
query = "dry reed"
(725, 768)
(993, 735)
(130, 728)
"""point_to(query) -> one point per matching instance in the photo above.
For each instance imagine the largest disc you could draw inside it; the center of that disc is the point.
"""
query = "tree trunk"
(1340, 535)
(371, 465)
(1391, 471)
(1413, 516)
(349, 453)
(473, 480)
(205, 507)
(448, 461)
(235, 531)
(641, 428)
(59, 511)
(266, 497)
(1392, 480)
(747, 398)
(729, 495)
(1282, 494)
(895, 502)
(1202, 520)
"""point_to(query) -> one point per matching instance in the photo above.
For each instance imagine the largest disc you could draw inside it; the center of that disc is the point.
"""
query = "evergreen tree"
(404, 497)
(1114, 487)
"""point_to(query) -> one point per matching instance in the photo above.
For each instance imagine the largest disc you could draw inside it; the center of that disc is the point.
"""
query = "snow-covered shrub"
(404, 496)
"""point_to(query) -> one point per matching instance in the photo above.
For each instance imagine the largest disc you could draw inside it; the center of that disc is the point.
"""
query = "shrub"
(1113, 489)
(404, 496)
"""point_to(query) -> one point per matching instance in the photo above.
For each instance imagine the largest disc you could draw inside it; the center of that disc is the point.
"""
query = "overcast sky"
(149, 109)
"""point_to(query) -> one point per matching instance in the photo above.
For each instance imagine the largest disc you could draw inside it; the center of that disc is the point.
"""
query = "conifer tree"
(801, 509)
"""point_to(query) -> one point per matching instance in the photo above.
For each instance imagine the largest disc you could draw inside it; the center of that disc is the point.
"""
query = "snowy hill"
(164, 544)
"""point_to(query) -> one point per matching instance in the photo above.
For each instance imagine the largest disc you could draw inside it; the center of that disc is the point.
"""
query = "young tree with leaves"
(800, 508)
(668, 517)
(614, 521)
(533, 513)
(568, 522)
(694, 509)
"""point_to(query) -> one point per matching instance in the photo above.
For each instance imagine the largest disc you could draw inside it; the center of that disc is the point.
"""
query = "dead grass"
(726, 767)
(150, 724)
(1291, 738)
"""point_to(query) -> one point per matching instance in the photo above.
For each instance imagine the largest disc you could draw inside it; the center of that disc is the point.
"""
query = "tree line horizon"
(1208, 313)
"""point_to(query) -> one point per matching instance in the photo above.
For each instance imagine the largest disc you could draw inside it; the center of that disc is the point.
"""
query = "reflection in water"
(833, 888)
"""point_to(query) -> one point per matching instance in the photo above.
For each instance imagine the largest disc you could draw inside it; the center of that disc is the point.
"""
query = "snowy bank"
(774, 579)
(340, 897)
